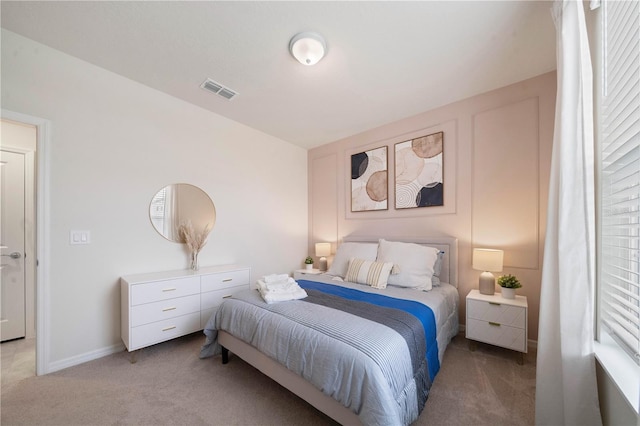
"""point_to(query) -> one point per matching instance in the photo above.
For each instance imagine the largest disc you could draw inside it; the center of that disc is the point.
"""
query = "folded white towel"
(283, 297)
(282, 286)
(275, 278)
(281, 291)
(279, 286)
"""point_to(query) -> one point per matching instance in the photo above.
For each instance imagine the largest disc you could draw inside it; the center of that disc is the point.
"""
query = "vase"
(309, 266)
(508, 293)
(194, 261)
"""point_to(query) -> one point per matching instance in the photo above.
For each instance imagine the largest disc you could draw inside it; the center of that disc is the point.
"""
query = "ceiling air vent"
(218, 89)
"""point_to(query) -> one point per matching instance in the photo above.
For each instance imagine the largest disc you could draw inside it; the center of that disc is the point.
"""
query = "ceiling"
(385, 60)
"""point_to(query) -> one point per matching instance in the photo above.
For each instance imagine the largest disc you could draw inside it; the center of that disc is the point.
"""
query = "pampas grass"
(194, 240)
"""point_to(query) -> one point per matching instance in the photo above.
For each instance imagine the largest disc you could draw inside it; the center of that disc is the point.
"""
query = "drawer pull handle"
(169, 328)
(169, 309)
(227, 296)
(227, 280)
(494, 303)
(494, 323)
(169, 289)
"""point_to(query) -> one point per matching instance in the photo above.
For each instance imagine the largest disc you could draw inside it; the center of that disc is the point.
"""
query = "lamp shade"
(308, 48)
(323, 249)
(487, 260)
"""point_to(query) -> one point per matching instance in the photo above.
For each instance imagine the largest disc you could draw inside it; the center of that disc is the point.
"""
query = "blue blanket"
(422, 312)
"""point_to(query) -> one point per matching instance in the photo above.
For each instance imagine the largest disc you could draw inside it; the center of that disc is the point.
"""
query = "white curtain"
(566, 392)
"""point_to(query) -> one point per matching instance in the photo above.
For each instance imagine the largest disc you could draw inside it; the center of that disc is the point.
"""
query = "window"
(619, 179)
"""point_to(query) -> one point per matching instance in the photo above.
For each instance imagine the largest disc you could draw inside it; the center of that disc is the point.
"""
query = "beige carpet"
(170, 385)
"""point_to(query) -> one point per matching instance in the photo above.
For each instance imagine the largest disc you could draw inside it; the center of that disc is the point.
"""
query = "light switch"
(79, 237)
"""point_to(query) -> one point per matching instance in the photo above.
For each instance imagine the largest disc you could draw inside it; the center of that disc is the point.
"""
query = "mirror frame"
(184, 198)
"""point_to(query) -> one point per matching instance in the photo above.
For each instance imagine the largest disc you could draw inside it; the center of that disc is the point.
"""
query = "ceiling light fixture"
(308, 48)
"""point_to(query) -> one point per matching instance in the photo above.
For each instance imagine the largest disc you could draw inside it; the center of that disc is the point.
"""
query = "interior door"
(12, 244)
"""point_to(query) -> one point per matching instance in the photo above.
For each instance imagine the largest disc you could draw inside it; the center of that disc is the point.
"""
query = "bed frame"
(296, 383)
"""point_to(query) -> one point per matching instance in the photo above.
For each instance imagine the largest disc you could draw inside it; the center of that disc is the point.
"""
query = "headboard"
(449, 245)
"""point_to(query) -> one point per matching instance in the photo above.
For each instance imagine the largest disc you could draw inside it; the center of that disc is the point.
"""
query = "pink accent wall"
(496, 162)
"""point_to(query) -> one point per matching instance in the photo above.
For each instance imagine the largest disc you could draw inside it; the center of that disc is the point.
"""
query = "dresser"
(160, 306)
(498, 321)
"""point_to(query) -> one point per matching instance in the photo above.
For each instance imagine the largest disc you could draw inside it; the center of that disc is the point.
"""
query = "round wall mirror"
(178, 204)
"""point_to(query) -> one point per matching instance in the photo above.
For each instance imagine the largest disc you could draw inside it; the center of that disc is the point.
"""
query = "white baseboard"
(82, 358)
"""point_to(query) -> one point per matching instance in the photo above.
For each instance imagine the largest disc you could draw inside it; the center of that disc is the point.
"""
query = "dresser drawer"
(160, 331)
(497, 334)
(500, 313)
(163, 290)
(222, 280)
(165, 309)
(212, 299)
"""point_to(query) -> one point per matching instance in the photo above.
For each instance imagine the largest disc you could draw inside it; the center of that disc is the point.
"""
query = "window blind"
(620, 175)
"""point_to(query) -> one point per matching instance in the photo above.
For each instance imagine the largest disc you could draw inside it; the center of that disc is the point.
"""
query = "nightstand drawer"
(497, 334)
(305, 274)
(500, 313)
(165, 309)
(226, 280)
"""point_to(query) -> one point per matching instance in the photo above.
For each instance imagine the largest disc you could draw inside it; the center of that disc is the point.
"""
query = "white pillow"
(369, 272)
(414, 263)
(346, 251)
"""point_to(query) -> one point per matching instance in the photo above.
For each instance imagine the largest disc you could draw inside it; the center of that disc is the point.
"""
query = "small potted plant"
(308, 262)
(509, 284)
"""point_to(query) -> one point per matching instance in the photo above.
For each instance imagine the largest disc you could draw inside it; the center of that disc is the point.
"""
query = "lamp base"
(487, 284)
(323, 264)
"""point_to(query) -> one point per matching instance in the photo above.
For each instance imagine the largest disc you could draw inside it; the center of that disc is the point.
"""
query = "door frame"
(42, 308)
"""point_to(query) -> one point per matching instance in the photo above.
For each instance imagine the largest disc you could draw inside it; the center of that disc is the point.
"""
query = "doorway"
(40, 259)
(18, 143)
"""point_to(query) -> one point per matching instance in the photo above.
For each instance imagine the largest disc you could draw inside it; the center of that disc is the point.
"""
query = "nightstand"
(498, 321)
(299, 274)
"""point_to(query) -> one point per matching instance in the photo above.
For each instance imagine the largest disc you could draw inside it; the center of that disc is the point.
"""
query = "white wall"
(114, 144)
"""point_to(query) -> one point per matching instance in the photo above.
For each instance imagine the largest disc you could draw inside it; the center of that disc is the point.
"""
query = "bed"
(315, 347)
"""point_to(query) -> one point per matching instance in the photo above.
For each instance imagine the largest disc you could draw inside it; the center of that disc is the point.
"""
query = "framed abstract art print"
(369, 190)
(419, 172)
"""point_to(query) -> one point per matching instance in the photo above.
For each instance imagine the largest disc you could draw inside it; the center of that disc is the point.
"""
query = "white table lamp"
(488, 261)
(323, 250)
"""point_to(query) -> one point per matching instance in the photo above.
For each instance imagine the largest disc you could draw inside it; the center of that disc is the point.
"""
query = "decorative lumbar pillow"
(415, 263)
(346, 251)
(369, 272)
(437, 268)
